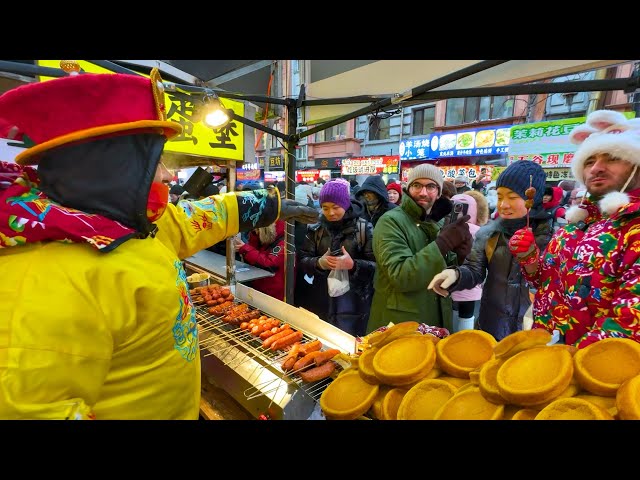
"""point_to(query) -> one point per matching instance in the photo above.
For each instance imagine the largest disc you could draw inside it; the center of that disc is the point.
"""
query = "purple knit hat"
(336, 191)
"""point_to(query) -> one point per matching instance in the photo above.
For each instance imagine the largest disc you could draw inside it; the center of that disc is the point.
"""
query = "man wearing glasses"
(410, 249)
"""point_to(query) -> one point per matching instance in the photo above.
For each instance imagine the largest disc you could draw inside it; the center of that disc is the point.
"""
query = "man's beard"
(267, 235)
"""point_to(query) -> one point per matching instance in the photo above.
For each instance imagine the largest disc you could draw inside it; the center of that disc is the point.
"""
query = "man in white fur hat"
(588, 277)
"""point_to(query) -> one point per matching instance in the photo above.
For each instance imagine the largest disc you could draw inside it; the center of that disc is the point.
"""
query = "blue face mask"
(316, 203)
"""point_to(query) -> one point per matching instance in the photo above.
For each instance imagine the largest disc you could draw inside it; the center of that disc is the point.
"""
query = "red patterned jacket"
(588, 283)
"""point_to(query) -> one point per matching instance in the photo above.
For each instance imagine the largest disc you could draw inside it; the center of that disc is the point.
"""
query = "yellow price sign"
(197, 138)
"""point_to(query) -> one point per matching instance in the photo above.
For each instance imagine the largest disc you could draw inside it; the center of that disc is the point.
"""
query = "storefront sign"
(370, 165)
(275, 161)
(546, 143)
(274, 176)
(476, 142)
(253, 174)
(472, 172)
(307, 175)
(553, 174)
(325, 163)
(414, 148)
(196, 138)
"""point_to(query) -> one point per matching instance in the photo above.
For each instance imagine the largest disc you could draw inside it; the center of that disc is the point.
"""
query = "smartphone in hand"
(336, 253)
(459, 210)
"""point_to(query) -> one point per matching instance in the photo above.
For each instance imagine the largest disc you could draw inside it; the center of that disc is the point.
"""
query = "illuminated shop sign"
(370, 165)
(466, 143)
(414, 148)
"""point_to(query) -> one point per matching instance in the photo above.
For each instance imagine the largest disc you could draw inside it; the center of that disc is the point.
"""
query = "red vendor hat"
(82, 107)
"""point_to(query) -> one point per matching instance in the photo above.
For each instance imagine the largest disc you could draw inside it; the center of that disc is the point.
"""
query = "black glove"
(454, 236)
(292, 210)
(463, 250)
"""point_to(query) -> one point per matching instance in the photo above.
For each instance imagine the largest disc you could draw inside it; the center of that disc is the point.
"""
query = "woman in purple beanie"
(341, 240)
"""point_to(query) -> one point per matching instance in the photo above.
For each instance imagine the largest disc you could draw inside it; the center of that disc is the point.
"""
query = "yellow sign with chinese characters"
(196, 139)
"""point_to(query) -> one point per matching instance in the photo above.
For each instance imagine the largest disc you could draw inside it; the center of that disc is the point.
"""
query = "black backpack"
(361, 236)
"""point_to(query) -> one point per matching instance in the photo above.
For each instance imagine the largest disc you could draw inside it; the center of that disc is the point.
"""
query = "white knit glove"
(443, 280)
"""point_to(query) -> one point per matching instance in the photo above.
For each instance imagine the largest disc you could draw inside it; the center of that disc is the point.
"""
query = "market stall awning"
(389, 77)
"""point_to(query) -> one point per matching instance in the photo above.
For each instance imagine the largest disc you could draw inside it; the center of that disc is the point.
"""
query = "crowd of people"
(100, 323)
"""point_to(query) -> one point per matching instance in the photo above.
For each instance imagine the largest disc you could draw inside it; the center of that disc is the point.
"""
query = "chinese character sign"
(196, 138)
(414, 148)
(370, 165)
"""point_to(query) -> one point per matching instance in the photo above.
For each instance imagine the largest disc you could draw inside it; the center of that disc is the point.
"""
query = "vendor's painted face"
(510, 204)
(159, 193)
(332, 212)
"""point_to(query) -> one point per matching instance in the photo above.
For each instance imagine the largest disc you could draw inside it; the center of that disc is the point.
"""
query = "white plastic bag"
(338, 282)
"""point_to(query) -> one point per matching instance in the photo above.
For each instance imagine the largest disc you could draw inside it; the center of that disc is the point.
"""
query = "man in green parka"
(410, 249)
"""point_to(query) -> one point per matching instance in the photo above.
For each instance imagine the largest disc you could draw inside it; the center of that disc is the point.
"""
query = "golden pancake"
(423, 400)
(602, 367)
(535, 375)
(573, 409)
(464, 351)
(470, 405)
(348, 397)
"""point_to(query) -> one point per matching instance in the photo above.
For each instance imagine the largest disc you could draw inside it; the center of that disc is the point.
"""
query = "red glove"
(522, 245)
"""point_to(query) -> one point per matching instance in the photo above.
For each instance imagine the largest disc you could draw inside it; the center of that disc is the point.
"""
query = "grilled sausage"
(306, 360)
(281, 334)
(325, 356)
(291, 357)
(290, 339)
(310, 347)
(318, 373)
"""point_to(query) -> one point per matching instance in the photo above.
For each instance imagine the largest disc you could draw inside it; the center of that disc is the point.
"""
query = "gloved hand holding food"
(522, 245)
(443, 280)
(292, 210)
(454, 235)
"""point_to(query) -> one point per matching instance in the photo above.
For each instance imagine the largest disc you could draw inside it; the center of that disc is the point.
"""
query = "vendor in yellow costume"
(96, 320)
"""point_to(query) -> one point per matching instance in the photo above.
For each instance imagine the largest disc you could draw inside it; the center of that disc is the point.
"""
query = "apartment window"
(379, 128)
(424, 120)
(337, 132)
(467, 110)
(301, 152)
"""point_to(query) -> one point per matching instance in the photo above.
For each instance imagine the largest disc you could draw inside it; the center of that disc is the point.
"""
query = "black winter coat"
(505, 294)
(349, 312)
(374, 184)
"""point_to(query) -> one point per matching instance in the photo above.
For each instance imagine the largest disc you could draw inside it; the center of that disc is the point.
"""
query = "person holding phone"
(474, 204)
(505, 295)
(341, 240)
(410, 248)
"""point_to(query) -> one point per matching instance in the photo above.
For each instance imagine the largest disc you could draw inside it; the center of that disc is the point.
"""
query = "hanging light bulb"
(217, 116)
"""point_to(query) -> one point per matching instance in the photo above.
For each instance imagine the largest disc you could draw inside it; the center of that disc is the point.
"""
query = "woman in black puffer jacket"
(341, 229)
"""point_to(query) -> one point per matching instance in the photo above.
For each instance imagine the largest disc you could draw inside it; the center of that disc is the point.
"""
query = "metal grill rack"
(239, 350)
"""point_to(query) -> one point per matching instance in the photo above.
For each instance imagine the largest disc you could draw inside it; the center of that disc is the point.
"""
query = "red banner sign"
(370, 165)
